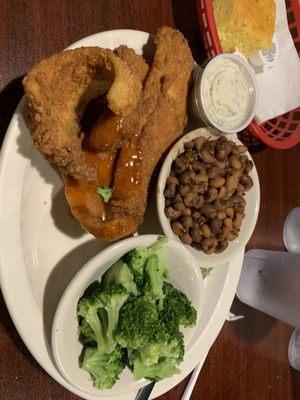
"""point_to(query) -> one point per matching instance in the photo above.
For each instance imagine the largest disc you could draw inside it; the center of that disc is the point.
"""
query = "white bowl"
(184, 273)
(252, 204)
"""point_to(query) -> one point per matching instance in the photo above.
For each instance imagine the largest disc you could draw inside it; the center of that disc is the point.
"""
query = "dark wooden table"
(248, 361)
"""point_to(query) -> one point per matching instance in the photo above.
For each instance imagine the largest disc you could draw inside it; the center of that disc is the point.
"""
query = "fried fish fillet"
(158, 120)
(134, 61)
(58, 90)
(155, 124)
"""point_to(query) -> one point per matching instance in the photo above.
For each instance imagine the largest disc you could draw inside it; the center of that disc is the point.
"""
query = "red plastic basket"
(283, 131)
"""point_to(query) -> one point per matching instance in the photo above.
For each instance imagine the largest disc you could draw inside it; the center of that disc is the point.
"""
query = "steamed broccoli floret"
(100, 311)
(206, 272)
(174, 348)
(120, 273)
(138, 323)
(165, 346)
(142, 332)
(177, 309)
(165, 368)
(155, 273)
(170, 355)
(86, 333)
(104, 368)
(137, 258)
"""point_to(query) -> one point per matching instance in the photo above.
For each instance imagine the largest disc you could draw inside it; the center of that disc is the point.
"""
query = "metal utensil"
(144, 392)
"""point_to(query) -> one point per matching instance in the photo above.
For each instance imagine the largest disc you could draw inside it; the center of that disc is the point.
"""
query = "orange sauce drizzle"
(83, 194)
(103, 129)
(106, 132)
(127, 175)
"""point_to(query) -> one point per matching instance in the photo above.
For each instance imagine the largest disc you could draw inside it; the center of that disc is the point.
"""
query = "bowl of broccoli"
(129, 316)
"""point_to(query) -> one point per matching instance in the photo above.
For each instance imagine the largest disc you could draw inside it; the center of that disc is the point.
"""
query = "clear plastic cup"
(270, 282)
(291, 231)
(205, 81)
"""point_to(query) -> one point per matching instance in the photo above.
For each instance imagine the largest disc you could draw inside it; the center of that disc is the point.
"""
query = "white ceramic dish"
(184, 273)
(42, 247)
(252, 207)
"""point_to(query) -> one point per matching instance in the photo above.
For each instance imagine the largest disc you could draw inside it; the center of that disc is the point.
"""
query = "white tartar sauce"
(226, 93)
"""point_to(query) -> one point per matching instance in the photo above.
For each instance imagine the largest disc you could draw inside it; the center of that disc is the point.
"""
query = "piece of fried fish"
(58, 90)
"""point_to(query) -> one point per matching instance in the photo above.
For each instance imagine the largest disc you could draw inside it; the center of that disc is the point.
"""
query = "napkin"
(277, 71)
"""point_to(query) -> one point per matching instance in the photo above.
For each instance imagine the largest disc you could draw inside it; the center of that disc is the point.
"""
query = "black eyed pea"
(196, 235)
(216, 182)
(208, 210)
(198, 202)
(205, 231)
(209, 245)
(172, 180)
(183, 189)
(187, 177)
(179, 166)
(240, 189)
(221, 246)
(222, 192)
(248, 166)
(228, 223)
(206, 156)
(246, 181)
(221, 215)
(178, 198)
(198, 166)
(235, 162)
(224, 233)
(199, 142)
(170, 190)
(211, 195)
(196, 215)
(185, 238)
(177, 228)
(232, 236)
(230, 212)
(201, 177)
(214, 172)
(187, 212)
(215, 226)
(189, 145)
(237, 222)
(172, 214)
(187, 222)
(241, 148)
(189, 199)
(179, 206)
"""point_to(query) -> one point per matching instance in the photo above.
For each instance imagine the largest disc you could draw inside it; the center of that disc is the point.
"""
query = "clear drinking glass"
(270, 282)
(291, 231)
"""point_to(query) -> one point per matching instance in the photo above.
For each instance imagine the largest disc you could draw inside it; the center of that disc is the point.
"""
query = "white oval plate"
(42, 247)
(251, 211)
(184, 274)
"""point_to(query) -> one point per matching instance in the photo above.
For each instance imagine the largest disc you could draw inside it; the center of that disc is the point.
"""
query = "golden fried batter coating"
(58, 90)
(135, 62)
